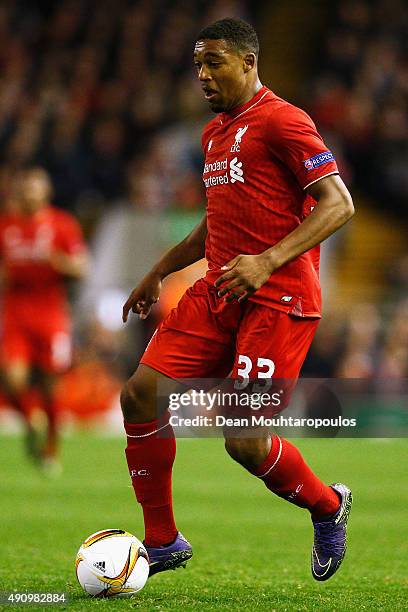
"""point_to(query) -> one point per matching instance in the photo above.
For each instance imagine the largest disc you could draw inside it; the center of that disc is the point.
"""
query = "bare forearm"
(70, 266)
(147, 292)
(319, 225)
(187, 252)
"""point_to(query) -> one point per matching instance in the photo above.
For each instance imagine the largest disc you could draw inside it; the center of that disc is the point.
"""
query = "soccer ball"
(112, 563)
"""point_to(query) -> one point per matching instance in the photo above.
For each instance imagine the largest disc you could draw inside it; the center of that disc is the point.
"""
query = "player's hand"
(244, 275)
(57, 260)
(142, 298)
(70, 265)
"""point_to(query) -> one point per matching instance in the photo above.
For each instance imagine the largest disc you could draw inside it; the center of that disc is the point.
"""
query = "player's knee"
(238, 449)
(249, 452)
(17, 380)
(130, 400)
(136, 402)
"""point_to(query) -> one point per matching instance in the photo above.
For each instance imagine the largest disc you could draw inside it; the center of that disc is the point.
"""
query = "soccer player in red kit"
(40, 247)
(273, 194)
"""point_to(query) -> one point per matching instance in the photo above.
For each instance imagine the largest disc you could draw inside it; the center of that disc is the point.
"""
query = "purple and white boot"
(169, 557)
(330, 537)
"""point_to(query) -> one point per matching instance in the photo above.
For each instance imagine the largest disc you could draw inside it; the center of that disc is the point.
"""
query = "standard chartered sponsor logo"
(216, 166)
(234, 172)
(221, 179)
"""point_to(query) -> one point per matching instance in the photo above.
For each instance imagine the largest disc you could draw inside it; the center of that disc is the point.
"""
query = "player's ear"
(249, 61)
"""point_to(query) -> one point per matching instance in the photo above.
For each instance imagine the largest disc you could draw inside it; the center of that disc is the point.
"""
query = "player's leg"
(281, 352)
(51, 448)
(150, 452)
(53, 357)
(16, 377)
(150, 455)
(16, 384)
(284, 472)
(178, 350)
(276, 461)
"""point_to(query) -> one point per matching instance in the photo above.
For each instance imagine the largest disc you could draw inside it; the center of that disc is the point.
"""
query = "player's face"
(223, 73)
(34, 191)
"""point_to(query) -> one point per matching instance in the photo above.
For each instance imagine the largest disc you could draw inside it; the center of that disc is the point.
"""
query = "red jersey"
(259, 159)
(26, 242)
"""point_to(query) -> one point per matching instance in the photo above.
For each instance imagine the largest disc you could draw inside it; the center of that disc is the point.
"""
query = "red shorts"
(205, 337)
(38, 339)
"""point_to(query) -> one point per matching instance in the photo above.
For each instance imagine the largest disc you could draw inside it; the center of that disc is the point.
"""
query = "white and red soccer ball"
(112, 563)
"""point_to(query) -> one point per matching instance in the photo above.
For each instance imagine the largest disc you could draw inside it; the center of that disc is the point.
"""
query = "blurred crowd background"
(103, 95)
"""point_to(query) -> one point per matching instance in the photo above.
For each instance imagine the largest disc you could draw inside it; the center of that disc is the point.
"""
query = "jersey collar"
(243, 107)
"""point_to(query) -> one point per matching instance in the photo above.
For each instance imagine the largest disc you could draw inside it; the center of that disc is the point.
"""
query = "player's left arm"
(247, 273)
(70, 265)
(69, 257)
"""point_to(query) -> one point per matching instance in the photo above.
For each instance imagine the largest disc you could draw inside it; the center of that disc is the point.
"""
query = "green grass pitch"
(251, 550)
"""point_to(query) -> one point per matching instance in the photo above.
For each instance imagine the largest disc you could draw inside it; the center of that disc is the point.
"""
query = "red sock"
(150, 455)
(286, 474)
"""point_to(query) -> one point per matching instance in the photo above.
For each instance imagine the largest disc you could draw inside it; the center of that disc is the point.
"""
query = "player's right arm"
(187, 252)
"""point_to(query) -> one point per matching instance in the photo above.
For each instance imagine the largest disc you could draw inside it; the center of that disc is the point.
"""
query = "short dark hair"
(237, 32)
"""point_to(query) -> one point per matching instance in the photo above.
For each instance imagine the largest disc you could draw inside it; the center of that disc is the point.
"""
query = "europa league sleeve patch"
(318, 160)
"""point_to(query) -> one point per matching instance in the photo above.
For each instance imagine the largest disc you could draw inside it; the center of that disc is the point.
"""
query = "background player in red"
(40, 247)
(273, 194)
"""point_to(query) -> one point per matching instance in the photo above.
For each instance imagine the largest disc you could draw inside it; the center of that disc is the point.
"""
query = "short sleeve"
(294, 139)
(70, 237)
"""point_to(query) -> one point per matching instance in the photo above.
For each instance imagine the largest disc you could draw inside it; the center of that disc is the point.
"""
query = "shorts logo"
(286, 298)
(238, 137)
(318, 160)
(236, 171)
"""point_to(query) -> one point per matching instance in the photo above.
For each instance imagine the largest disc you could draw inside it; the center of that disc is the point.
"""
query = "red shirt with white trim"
(26, 242)
(259, 159)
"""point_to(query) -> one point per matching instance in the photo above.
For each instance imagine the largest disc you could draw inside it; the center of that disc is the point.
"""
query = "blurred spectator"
(361, 95)
(365, 343)
(87, 86)
(359, 356)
